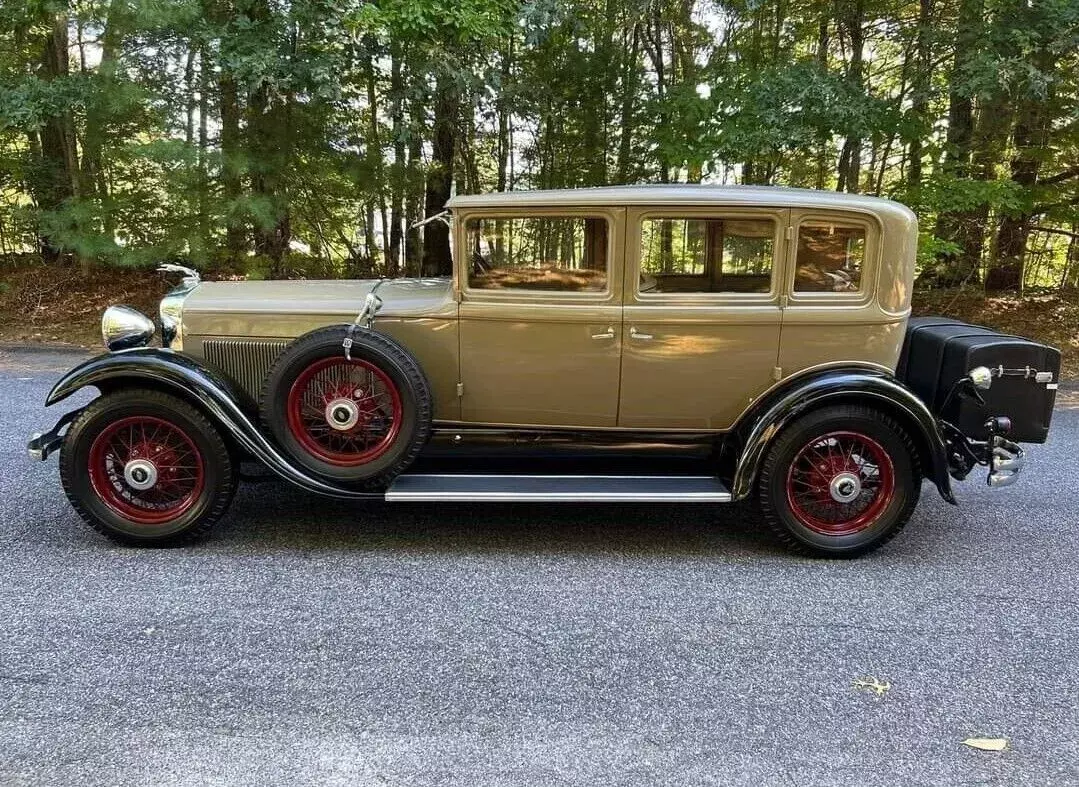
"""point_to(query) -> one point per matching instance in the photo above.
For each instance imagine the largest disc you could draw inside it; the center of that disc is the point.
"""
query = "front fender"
(209, 390)
(759, 426)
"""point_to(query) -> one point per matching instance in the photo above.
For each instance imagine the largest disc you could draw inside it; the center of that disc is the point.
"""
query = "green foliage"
(303, 137)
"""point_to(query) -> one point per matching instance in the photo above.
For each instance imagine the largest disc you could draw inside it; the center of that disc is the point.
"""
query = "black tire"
(89, 470)
(805, 515)
(381, 357)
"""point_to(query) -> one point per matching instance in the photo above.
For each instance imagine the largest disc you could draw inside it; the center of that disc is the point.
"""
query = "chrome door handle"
(609, 334)
(635, 334)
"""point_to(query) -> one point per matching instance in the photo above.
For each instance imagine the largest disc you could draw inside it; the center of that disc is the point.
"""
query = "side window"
(830, 258)
(706, 255)
(567, 254)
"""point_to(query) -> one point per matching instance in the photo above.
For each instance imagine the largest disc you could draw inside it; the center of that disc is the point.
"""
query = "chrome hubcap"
(845, 487)
(342, 414)
(140, 474)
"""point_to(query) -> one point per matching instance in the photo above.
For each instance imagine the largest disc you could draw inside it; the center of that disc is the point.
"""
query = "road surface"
(320, 642)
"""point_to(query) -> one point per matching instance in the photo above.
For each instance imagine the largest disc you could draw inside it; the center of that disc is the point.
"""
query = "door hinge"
(777, 373)
(784, 301)
(460, 389)
(790, 232)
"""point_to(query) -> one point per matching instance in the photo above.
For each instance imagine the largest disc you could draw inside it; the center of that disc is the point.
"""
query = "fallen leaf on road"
(872, 684)
(987, 744)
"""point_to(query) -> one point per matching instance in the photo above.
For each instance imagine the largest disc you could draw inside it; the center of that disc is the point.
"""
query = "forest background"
(263, 138)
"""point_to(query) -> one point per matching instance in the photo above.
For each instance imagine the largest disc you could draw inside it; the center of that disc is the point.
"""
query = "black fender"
(874, 386)
(217, 396)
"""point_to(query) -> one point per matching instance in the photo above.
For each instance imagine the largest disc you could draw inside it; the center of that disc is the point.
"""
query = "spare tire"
(360, 421)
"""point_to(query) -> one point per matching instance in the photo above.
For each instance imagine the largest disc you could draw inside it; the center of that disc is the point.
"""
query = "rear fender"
(219, 398)
(872, 386)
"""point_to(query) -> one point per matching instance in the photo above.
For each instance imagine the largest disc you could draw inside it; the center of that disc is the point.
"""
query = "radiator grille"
(244, 360)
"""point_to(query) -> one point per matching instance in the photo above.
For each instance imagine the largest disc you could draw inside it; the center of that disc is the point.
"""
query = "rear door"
(833, 314)
(702, 318)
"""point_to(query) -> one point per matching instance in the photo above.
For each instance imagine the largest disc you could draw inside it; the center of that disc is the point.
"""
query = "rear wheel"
(840, 482)
(143, 467)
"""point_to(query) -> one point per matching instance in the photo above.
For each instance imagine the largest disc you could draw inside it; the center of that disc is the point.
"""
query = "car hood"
(333, 299)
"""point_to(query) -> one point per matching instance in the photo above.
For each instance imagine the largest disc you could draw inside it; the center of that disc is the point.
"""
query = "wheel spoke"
(362, 384)
(815, 469)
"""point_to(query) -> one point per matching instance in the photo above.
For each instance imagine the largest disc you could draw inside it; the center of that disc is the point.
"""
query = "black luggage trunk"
(938, 351)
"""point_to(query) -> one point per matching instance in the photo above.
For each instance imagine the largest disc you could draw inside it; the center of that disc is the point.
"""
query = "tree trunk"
(269, 151)
(1071, 266)
(205, 66)
(823, 42)
(1030, 139)
(504, 116)
(231, 180)
(416, 186)
(850, 159)
(627, 109)
(97, 121)
(375, 159)
(397, 186)
(436, 236)
(1014, 230)
(920, 91)
(56, 176)
(965, 228)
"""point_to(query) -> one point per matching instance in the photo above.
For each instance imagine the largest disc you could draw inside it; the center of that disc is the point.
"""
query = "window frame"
(611, 293)
(870, 262)
(634, 256)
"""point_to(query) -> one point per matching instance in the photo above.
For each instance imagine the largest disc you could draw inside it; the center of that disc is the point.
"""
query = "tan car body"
(616, 359)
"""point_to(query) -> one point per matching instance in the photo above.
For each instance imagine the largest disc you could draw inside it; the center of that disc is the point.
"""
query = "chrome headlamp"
(123, 328)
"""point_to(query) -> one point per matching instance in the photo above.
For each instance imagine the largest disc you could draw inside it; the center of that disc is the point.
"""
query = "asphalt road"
(318, 642)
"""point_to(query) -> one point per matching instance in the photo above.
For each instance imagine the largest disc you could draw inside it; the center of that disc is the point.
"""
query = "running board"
(558, 489)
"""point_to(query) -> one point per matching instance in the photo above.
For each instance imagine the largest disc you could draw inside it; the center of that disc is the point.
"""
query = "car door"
(702, 320)
(540, 316)
(833, 313)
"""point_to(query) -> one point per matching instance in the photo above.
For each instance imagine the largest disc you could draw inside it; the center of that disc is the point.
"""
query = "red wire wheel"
(146, 469)
(839, 483)
(345, 413)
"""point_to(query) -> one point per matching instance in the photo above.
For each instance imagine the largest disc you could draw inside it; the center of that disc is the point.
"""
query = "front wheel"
(840, 482)
(143, 467)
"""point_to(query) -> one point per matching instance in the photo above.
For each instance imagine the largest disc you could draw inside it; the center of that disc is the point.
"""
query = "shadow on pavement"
(272, 516)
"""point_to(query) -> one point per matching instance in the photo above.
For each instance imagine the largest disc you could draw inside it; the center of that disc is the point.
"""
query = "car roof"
(681, 194)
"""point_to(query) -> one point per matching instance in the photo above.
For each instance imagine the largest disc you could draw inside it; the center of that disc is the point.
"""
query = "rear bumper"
(1003, 457)
(1005, 461)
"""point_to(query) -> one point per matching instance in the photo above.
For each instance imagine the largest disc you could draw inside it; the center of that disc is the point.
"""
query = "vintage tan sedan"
(667, 344)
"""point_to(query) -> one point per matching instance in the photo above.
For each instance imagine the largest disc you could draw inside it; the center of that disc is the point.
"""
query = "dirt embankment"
(1051, 319)
(42, 304)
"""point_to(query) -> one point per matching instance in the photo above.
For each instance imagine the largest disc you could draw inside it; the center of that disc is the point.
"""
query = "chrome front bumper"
(43, 444)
